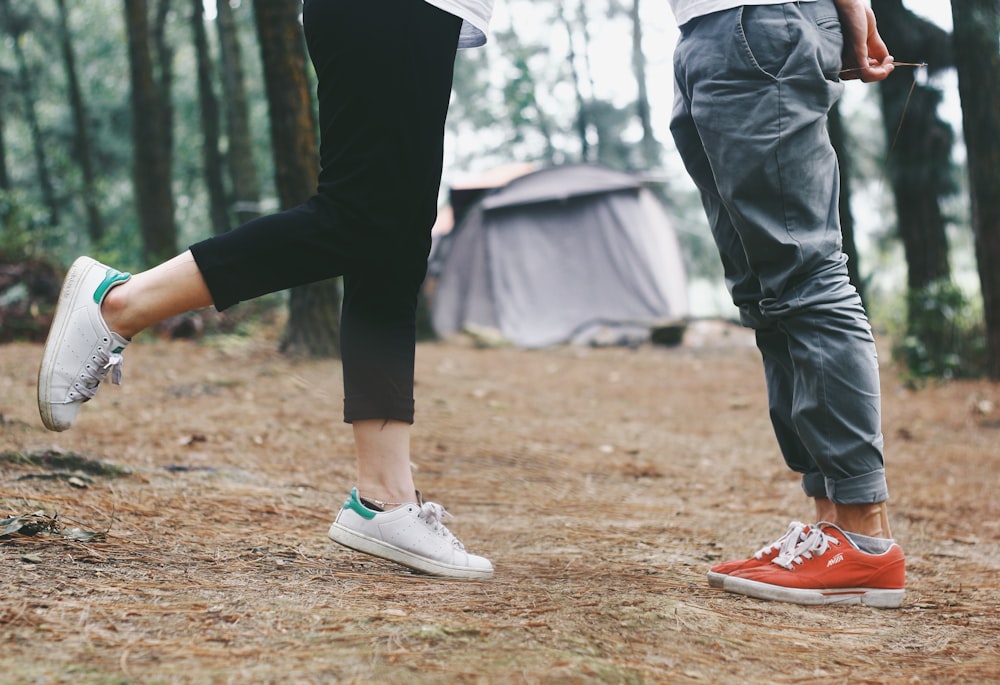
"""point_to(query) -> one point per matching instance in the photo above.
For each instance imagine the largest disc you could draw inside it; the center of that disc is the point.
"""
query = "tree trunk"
(838, 137)
(163, 65)
(6, 210)
(920, 143)
(242, 168)
(581, 104)
(4, 174)
(920, 172)
(151, 141)
(15, 27)
(314, 310)
(977, 56)
(81, 130)
(650, 148)
(209, 104)
(918, 166)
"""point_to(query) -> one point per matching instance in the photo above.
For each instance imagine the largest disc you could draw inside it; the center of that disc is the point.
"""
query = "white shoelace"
(787, 542)
(433, 513)
(93, 375)
(815, 544)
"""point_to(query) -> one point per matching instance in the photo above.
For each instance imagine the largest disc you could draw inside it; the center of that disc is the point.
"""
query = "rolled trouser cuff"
(869, 488)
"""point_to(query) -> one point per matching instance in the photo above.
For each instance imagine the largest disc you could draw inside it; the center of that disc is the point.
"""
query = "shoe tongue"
(119, 341)
(834, 531)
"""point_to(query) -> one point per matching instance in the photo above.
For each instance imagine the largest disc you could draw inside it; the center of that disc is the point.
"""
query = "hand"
(866, 56)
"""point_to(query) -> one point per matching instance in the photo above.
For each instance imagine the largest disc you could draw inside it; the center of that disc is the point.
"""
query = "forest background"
(177, 534)
(130, 129)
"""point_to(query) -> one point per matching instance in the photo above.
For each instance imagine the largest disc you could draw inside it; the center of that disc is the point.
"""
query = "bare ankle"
(866, 519)
(113, 310)
(825, 509)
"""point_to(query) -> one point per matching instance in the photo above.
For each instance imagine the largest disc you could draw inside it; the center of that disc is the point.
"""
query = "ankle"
(864, 519)
(114, 311)
(825, 509)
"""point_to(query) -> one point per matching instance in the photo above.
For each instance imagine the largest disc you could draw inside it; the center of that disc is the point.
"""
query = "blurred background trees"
(131, 128)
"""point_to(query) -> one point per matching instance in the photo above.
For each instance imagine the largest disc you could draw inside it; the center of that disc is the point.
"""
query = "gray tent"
(565, 254)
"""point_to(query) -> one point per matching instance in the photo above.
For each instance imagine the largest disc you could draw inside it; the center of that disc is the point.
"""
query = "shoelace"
(795, 533)
(433, 513)
(94, 374)
(814, 544)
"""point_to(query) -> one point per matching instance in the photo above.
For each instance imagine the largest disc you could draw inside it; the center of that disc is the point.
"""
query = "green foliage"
(943, 336)
(100, 46)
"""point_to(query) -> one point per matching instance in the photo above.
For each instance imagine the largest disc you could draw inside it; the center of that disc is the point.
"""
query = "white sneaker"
(411, 535)
(80, 349)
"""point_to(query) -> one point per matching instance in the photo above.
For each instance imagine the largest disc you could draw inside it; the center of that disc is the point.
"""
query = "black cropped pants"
(384, 81)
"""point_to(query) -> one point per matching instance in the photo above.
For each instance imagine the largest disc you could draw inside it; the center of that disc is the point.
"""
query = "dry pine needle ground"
(602, 482)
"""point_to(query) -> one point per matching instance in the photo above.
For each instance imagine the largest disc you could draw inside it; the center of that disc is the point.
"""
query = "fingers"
(868, 50)
(876, 70)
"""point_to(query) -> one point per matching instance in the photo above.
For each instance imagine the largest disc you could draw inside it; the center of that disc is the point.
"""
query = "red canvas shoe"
(794, 535)
(826, 568)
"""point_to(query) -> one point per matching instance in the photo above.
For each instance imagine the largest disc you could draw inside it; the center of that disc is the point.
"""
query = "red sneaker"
(826, 568)
(794, 535)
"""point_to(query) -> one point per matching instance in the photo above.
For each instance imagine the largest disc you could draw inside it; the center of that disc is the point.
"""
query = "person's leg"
(745, 290)
(378, 340)
(759, 105)
(101, 308)
(384, 84)
(382, 154)
(383, 450)
(744, 287)
(385, 72)
(173, 287)
(777, 177)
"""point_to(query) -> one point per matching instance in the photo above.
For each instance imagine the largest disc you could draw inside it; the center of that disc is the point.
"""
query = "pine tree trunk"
(650, 148)
(918, 160)
(242, 168)
(26, 86)
(581, 105)
(4, 173)
(81, 128)
(977, 56)
(151, 142)
(314, 310)
(209, 105)
(920, 145)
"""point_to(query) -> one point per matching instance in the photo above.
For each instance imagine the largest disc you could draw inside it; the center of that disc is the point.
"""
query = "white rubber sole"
(716, 580)
(377, 548)
(873, 597)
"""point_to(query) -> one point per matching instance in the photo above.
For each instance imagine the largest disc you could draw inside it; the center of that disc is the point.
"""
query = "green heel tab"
(355, 505)
(112, 278)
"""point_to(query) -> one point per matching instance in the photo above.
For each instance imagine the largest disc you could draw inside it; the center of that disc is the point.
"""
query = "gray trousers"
(754, 86)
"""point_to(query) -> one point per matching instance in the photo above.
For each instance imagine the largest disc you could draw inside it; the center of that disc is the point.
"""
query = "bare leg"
(174, 287)
(867, 519)
(825, 509)
(383, 451)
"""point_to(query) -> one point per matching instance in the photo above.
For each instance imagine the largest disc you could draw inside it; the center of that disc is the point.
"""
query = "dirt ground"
(602, 483)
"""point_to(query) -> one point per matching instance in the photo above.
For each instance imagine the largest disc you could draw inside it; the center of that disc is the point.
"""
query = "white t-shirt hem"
(475, 16)
(686, 10)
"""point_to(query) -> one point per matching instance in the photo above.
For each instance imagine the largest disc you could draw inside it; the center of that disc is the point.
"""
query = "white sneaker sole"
(872, 597)
(57, 333)
(368, 545)
(716, 580)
